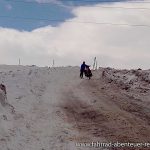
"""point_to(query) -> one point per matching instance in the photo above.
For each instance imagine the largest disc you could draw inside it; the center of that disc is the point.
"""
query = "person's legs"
(81, 74)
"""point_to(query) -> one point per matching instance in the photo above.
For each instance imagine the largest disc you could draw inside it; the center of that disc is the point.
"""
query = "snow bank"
(34, 93)
(128, 79)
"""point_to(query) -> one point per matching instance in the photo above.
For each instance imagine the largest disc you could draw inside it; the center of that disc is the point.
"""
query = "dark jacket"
(83, 66)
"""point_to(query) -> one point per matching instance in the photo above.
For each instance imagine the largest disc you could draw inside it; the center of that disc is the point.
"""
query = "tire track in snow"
(101, 112)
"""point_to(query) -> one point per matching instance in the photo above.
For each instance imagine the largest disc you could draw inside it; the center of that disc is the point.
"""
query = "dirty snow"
(53, 109)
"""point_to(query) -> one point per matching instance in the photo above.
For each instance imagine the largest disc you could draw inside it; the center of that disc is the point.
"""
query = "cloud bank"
(74, 41)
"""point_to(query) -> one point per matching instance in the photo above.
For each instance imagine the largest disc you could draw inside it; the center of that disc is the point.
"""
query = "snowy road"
(55, 110)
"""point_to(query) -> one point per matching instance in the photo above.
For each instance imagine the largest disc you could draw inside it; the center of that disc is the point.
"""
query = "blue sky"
(12, 10)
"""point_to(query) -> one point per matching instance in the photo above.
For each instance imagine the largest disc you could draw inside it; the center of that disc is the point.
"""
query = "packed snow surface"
(53, 109)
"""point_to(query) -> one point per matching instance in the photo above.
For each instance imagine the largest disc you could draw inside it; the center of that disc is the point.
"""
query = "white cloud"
(70, 43)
